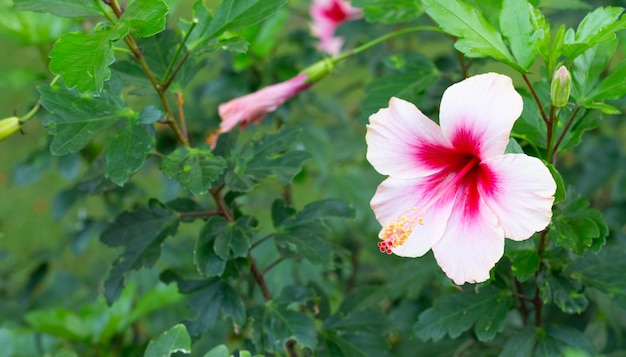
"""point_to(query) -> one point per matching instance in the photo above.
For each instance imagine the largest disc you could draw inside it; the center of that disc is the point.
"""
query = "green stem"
(565, 129)
(552, 120)
(122, 50)
(28, 116)
(179, 50)
(104, 12)
(535, 97)
(380, 39)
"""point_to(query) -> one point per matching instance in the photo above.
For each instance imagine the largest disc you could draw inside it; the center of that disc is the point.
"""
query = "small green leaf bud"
(8, 127)
(561, 87)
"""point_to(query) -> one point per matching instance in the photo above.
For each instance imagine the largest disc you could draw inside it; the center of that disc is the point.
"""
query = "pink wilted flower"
(253, 107)
(327, 16)
(451, 188)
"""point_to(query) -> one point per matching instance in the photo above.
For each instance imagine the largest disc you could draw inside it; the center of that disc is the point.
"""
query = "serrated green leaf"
(67, 8)
(588, 67)
(128, 151)
(476, 37)
(224, 301)
(302, 233)
(145, 17)
(613, 86)
(356, 334)
(74, 120)
(518, 31)
(597, 27)
(83, 59)
(564, 293)
(555, 340)
(274, 325)
(390, 12)
(413, 76)
(173, 340)
(141, 232)
(269, 156)
(454, 314)
(576, 226)
(194, 168)
(230, 15)
(603, 271)
(228, 239)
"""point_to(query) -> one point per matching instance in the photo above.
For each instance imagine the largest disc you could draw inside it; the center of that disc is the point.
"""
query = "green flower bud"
(8, 127)
(561, 87)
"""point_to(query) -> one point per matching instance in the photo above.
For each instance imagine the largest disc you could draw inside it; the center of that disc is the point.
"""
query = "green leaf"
(454, 314)
(476, 37)
(603, 271)
(74, 120)
(225, 239)
(128, 151)
(518, 31)
(522, 344)
(560, 193)
(194, 168)
(83, 59)
(58, 322)
(359, 333)
(613, 86)
(173, 340)
(274, 324)
(66, 8)
(269, 156)
(224, 301)
(413, 76)
(524, 263)
(555, 340)
(302, 233)
(230, 15)
(389, 12)
(218, 351)
(577, 227)
(145, 17)
(565, 294)
(141, 233)
(588, 67)
(598, 26)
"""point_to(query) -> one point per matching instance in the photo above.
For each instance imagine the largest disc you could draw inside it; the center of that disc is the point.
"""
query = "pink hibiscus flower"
(252, 108)
(451, 188)
(327, 16)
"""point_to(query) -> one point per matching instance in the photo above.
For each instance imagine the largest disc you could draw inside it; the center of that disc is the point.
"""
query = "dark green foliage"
(141, 232)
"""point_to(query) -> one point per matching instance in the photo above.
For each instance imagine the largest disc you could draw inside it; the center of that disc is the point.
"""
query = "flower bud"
(8, 127)
(561, 87)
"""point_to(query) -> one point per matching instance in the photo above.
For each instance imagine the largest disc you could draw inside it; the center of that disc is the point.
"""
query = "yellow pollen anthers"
(397, 232)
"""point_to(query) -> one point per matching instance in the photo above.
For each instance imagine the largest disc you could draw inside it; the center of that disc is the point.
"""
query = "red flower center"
(335, 12)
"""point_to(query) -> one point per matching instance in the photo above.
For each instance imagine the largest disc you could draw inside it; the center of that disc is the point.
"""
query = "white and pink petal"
(521, 194)
(478, 113)
(403, 142)
(418, 202)
(472, 243)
